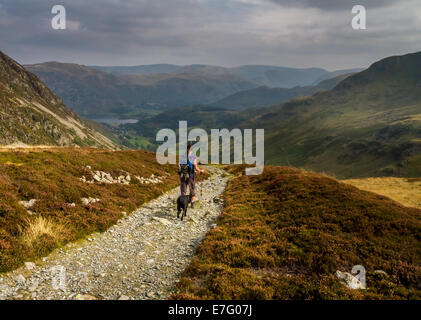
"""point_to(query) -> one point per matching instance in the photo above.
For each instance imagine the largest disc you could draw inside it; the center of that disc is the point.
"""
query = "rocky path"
(141, 257)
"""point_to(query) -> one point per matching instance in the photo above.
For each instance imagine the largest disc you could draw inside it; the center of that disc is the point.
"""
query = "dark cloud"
(334, 4)
(106, 25)
(223, 32)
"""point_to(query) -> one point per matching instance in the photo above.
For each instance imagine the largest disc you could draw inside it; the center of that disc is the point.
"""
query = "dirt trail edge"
(141, 257)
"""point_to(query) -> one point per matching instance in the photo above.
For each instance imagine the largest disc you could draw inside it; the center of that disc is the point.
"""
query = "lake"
(115, 121)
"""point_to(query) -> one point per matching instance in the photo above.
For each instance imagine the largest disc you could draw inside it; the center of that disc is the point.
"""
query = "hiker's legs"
(183, 186)
(192, 187)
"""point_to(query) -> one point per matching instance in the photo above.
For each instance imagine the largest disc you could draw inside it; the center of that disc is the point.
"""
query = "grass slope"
(283, 234)
(403, 190)
(52, 177)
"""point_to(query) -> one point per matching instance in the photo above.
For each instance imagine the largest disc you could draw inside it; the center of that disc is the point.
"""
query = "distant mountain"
(96, 94)
(173, 90)
(140, 70)
(265, 96)
(205, 70)
(369, 124)
(87, 91)
(31, 114)
(259, 75)
(280, 77)
(143, 91)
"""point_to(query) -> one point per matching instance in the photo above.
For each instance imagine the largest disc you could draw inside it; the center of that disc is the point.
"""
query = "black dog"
(183, 204)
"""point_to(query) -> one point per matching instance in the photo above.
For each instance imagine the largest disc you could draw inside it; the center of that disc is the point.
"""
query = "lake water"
(115, 121)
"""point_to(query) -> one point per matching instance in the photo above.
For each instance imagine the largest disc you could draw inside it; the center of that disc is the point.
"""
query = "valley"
(366, 125)
(144, 91)
(70, 189)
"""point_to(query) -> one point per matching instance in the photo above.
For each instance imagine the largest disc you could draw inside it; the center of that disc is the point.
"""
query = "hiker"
(187, 169)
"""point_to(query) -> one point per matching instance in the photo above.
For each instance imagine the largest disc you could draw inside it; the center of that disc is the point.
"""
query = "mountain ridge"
(369, 124)
(93, 93)
(266, 96)
(260, 75)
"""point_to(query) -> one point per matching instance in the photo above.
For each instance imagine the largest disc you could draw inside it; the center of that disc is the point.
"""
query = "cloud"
(297, 33)
(333, 4)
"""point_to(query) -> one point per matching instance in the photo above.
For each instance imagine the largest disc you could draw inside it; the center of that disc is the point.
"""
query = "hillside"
(31, 114)
(337, 73)
(49, 197)
(281, 77)
(174, 90)
(265, 96)
(403, 190)
(368, 125)
(285, 233)
(89, 92)
(139, 70)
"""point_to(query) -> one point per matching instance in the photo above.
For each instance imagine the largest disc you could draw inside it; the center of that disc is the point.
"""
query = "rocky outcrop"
(350, 281)
(122, 178)
(89, 201)
(28, 205)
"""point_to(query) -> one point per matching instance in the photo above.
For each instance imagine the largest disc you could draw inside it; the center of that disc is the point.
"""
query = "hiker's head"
(189, 147)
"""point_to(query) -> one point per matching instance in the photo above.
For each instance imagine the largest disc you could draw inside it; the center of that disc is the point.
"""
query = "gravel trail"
(141, 257)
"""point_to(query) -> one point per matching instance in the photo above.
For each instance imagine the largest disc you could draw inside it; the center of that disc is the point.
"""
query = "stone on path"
(29, 265)
(164, 221)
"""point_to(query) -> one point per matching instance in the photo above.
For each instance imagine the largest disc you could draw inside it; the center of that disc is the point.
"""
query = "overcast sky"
(295, 33)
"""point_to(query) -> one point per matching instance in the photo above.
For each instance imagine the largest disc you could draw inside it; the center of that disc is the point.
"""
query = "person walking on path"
(187, 169)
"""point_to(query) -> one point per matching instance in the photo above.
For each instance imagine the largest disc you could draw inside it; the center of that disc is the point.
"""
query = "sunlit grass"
(41, 226)
(406, 191)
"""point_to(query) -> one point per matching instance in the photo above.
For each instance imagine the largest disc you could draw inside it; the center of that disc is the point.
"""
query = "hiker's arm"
(196, 167)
